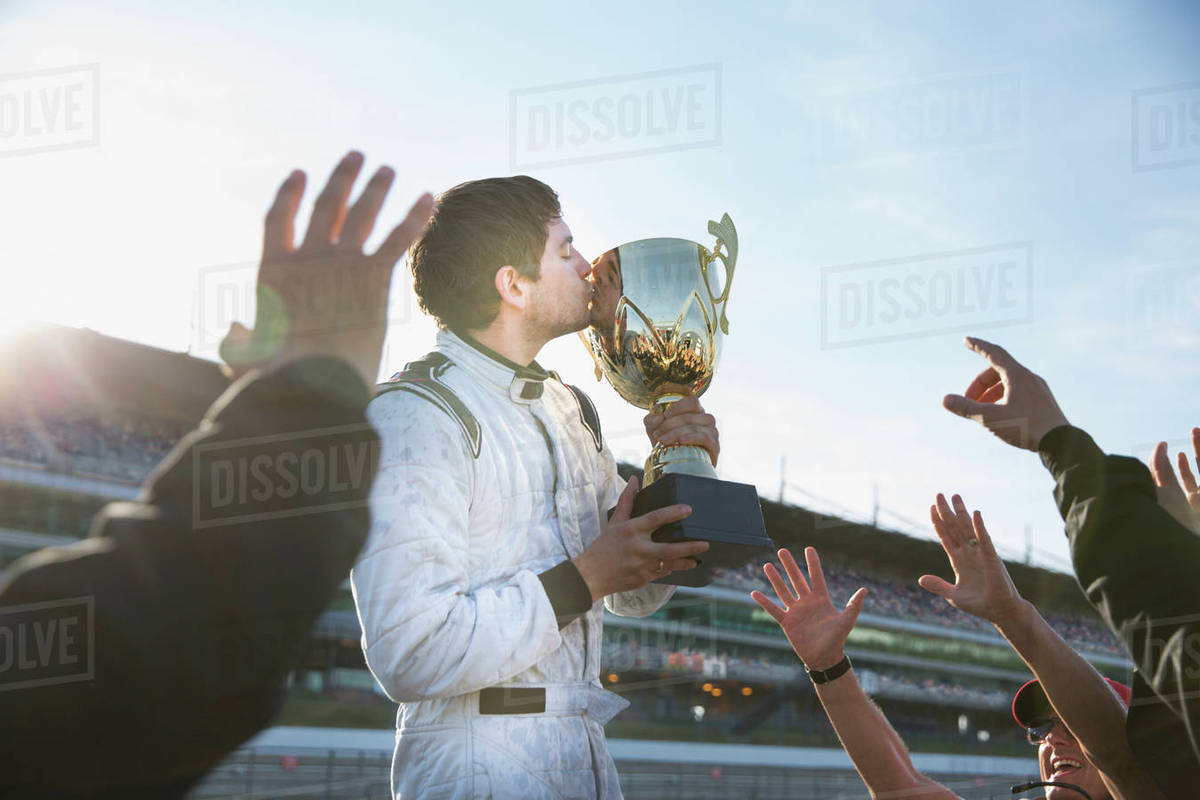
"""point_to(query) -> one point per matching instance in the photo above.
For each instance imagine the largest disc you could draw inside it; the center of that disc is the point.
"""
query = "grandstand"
(720, 706)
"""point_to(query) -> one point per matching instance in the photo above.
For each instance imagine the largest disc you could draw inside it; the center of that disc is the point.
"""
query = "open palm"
(982, 586)
(327, 296)
(817, 631)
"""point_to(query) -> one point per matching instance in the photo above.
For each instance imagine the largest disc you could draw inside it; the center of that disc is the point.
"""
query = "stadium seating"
(890, 597)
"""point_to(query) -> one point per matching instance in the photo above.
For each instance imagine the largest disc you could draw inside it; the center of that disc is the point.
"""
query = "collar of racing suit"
(522, 384)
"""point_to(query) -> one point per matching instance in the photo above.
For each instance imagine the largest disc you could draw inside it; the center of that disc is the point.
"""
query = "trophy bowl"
(657, 322)
(657, 319)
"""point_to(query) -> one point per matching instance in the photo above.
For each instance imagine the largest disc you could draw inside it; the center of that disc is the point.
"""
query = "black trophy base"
(727, 515)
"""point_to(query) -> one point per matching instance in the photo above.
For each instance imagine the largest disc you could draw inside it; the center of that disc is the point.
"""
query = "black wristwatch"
(833, 673)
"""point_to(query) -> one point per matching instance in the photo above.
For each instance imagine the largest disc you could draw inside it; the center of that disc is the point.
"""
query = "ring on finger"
(972, 542)
(662, 567)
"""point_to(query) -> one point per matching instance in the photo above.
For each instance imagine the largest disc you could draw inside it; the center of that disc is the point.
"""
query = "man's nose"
(582, 266)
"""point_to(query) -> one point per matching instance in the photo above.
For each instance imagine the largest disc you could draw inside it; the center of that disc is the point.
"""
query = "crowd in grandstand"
(699, 663)
(896, 598)
(623, 656)
(932, 690)
(122, 447)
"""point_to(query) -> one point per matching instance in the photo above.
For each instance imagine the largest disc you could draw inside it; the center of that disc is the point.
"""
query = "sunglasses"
(1036, 734)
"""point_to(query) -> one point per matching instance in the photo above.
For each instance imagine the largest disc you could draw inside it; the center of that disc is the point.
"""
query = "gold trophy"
(657, 320)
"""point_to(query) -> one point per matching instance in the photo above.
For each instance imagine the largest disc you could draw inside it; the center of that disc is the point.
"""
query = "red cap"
(1031, 706)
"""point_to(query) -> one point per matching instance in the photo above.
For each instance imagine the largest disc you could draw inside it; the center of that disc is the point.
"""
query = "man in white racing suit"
(491, 541)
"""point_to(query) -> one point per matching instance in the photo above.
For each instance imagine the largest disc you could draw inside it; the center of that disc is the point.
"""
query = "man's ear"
(510, 287)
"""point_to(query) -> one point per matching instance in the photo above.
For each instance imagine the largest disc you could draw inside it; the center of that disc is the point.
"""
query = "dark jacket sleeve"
(1140, 568)
(187, 608)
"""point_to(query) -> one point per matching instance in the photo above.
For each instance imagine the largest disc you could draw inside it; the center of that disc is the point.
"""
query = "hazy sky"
(1024, 171)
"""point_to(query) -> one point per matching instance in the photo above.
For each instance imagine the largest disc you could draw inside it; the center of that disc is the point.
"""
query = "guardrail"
(251, 774)
(350, 764)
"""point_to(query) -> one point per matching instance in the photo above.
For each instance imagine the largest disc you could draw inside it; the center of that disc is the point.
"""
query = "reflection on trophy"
(657, 319)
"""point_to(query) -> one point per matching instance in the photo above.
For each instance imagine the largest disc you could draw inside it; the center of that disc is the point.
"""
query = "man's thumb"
(624, 507)
(957, 404)
(855, 604)
(932, 583)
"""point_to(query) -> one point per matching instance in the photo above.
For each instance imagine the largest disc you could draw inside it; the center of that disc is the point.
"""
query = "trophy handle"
(727, 240)
(590, 352)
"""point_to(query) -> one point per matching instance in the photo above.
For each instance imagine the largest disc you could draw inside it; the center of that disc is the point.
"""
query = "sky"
(899, 173)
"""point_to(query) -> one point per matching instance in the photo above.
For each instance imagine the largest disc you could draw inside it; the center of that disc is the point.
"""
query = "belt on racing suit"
(558, 700)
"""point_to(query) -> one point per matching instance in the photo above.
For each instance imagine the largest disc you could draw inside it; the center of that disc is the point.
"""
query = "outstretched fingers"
(793, 571)
(962, 518)
(981, 532)
(944, 533)
(996, 355)
(1160, 468)
(780, 586)
(360, 220)
(1185, 473)
(329, 210)
(969, 527)
(946, 523)
(768, 606)
(279, 227)
(404, 234)
(816, 576)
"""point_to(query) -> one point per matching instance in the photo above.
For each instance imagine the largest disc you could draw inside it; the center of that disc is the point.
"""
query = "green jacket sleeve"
(1140, 568)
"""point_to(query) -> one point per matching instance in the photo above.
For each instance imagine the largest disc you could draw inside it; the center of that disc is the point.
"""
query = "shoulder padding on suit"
(423, 378)
(588, 415)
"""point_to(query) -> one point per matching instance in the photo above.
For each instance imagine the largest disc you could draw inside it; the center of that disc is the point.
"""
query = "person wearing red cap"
(1060, 758)
(818, 631)
(1090, 750)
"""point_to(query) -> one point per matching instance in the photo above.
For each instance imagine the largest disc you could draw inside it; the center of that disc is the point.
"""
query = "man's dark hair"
(478, 227)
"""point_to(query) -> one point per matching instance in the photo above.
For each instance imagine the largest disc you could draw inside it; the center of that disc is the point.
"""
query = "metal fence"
(312, 775)
(343, 775)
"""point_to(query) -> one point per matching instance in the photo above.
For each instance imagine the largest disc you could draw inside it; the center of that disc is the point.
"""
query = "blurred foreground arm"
(202, 593)
(1139, 567)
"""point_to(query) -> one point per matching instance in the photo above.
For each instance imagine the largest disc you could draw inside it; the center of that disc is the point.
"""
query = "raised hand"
(1189, 480)
(685, 422)
(326, 297)
(982, 585)
(1183, 506)
(1008, 399)
(816, 630)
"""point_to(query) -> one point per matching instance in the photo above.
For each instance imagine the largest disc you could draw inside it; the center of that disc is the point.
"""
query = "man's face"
(558, 300)
(1061, 759)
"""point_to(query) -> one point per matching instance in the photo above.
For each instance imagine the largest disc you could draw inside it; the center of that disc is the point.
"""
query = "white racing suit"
(480, 488)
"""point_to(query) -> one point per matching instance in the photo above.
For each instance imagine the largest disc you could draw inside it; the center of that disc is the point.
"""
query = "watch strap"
(833, 673)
